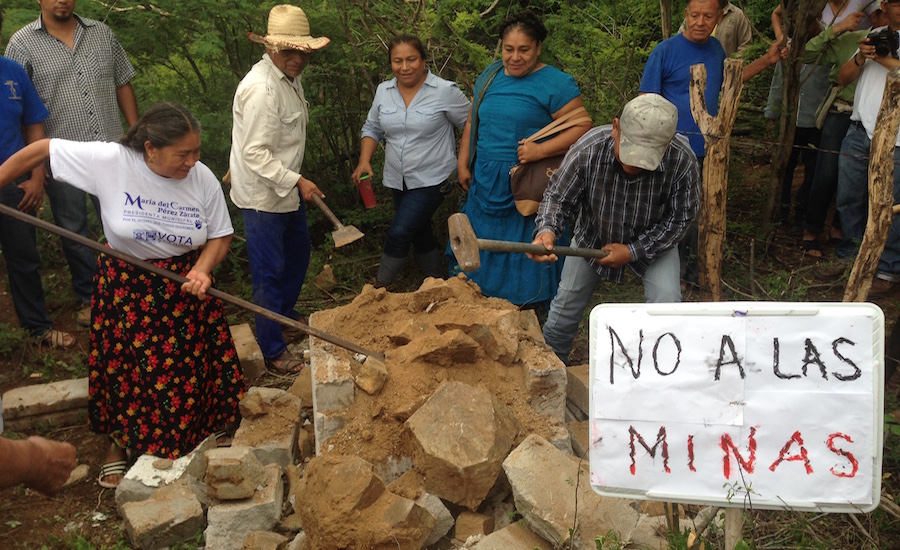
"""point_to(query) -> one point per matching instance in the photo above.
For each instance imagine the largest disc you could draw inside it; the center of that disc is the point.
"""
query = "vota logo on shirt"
(153, 236)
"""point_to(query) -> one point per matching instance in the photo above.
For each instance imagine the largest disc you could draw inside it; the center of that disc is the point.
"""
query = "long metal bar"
(172, 276)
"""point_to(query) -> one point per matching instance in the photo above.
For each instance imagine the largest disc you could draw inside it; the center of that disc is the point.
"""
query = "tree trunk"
(665, 17)
(881, 191)
(796, 16)
(714, 189)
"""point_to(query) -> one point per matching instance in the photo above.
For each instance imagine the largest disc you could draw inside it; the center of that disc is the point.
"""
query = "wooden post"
(881, 191)
(734, 524)
(713, 191)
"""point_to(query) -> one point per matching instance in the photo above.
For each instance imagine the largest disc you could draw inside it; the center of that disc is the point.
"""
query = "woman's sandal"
(811, 247)
(57, 339)
(223, 438)
(114, 468)
(285, 364)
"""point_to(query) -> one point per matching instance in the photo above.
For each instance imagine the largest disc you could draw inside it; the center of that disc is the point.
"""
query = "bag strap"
(562, 123)
(494, 69)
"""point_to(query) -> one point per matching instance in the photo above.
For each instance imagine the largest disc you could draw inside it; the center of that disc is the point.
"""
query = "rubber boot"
(432, 264)
(388, 270)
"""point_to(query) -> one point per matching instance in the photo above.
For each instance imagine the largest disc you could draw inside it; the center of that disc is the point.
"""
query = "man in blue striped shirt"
(634, 188)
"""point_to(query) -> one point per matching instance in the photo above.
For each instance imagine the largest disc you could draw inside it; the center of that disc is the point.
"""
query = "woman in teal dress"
(514, 98)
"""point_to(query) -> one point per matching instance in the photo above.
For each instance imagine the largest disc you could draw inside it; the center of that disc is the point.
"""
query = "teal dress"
(512, 109)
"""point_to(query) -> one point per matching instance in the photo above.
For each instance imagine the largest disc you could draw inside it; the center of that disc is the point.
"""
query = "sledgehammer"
(466, 245)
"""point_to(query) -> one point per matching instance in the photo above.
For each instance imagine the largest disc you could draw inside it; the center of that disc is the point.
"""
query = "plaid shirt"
(78, 85)
(650, 213)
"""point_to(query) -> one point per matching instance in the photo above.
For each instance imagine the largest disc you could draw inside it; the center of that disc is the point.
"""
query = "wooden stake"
(734, 524)
(881, 191)
(713, 191)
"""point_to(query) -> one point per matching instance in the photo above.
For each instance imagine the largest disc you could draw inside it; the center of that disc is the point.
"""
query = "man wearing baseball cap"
(268, 142)
(634, 188)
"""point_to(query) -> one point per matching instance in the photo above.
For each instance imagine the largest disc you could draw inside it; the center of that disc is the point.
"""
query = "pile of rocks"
(459, 439)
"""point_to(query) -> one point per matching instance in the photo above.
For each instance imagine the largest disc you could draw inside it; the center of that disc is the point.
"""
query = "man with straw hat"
(268, 142)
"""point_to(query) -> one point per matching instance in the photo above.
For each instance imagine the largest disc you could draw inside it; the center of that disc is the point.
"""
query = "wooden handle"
(509, 246)
(324, 208)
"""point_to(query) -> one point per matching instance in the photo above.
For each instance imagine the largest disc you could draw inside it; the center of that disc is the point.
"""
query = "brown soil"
(379, 320)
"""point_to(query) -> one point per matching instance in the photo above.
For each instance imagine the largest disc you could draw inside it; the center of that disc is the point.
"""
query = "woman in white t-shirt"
(164, 373)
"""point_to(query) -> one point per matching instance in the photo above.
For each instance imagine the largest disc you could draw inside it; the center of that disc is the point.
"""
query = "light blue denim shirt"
(419, 143)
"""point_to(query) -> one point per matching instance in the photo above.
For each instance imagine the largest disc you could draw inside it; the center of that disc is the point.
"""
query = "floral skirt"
(164, 373)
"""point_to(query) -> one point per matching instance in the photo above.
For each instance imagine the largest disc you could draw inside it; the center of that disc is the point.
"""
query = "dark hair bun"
(526, 21)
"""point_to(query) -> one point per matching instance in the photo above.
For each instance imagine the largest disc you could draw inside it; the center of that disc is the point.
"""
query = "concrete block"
(473, 524)
(545, 381)
(300, 542)
(233, 473)
(544, 482)
(272, 429)
(530, 327)
(327, 424)
(172, 514)
(516, 536)
(580, 437)
(560, 438)
(253, 364)
(578, 389)
(143, 478)
(333, 388)
(41, 399)
(58, 419)
(573, 413)
(443, 518)
(263, 540)
(230, 522)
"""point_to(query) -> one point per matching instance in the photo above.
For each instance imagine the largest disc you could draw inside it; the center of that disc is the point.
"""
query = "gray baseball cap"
(646, 127)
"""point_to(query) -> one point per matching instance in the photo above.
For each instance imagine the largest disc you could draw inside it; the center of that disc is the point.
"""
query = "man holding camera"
(877, 54)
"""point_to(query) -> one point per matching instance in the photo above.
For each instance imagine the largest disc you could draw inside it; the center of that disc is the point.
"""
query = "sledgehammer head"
(463, 242)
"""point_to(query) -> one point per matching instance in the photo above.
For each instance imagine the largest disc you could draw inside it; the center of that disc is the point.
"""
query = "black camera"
(886, 42)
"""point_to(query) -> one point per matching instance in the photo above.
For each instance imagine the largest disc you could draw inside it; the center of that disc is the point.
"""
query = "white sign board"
(718, 403)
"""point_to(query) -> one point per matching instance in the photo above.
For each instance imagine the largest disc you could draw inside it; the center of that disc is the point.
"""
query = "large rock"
(263, 540)
(516, 536)
(54, 401)
(145, 476)
(460, 437)
(230, 522)
(270, 425)
(233, 473)
(544, 482)
(578, 388)
(253, 364)
(343, 504)
(497, 333)
(545, 381)
(172, 514)
(443, 518)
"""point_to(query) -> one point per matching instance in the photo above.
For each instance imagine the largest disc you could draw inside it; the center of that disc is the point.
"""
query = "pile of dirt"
(444, 331)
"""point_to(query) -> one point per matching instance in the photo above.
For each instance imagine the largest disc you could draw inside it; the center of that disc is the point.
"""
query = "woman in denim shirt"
(414, 113)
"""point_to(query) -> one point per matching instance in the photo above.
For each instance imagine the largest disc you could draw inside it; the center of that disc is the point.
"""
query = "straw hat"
(289, 29)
